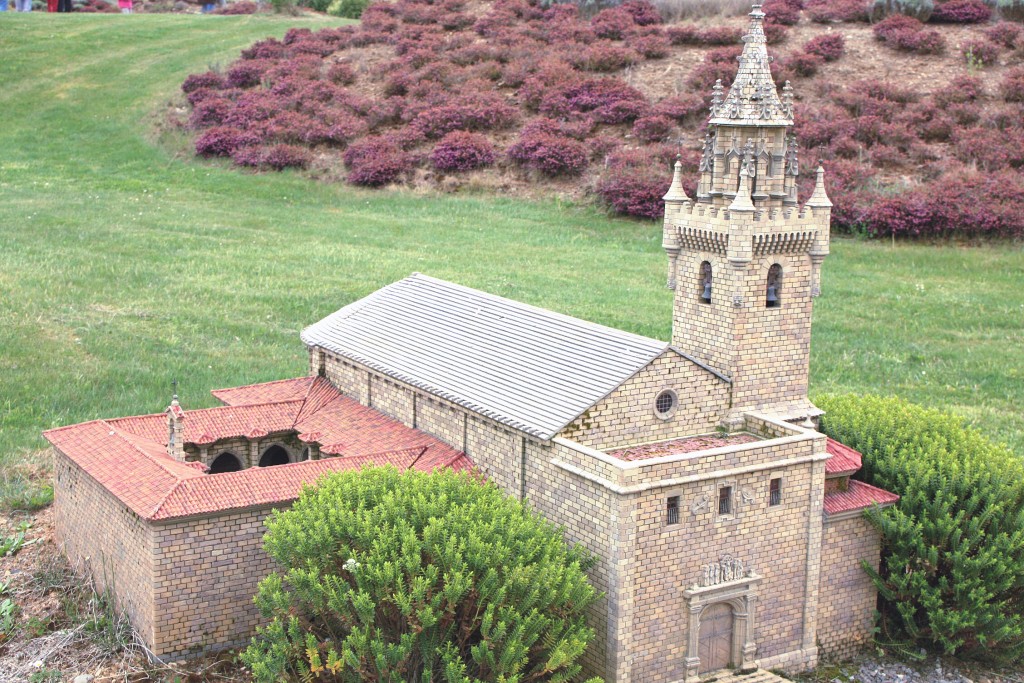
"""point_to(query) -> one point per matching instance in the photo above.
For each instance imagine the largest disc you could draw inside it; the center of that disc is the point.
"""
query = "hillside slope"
(545, 101)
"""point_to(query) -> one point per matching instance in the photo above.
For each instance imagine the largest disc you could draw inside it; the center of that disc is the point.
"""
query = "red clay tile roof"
(844, 459)
(858, 497)
(128, 456)
(267, 392)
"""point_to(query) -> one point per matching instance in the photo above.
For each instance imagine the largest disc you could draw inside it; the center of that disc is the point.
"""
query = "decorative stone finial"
(819, 198)
(717, 97)
(742, 201)
(676, 193)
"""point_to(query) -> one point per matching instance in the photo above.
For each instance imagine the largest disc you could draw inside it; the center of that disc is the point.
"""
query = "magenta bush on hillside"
(462, 151)
(635, 193)
(210, 80)
(238, 8)
(614, 23)
(643, 13)
(909, 35)
(1012, 86)
(785, 12)
(801, 64)
(222, 141)
(655, 46)
(692, 35)
(961, 12)
(211, 111)
(375, 162)
(277, 157)
(1006, 33)
(828, 11)
(681, 108)
(828, 46)
(979, 52)
(604, 56)
(246, 73)
(653, 128)
(550, 154)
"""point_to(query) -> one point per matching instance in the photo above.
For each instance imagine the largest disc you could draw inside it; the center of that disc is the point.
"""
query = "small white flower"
(351, 565)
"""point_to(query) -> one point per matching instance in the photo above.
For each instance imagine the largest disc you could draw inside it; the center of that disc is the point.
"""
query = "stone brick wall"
(592, 516)
(848, 598)
(393, 399)
(205, 575)
(111, 543)
(627, 416)
(765, 351)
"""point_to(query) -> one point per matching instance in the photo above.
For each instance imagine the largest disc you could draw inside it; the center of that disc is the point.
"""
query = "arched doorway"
(275, 455)
(225, 462)
(715, 639)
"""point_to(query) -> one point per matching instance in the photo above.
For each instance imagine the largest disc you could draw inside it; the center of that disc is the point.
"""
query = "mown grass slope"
(125, 264)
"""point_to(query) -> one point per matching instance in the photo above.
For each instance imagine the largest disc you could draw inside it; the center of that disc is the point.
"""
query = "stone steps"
(756, 676)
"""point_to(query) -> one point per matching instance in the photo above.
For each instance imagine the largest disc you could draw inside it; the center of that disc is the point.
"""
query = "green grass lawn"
(124, 264)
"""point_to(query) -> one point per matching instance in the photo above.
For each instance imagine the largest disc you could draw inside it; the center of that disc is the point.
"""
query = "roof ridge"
(522, 304)
(258, 384)
(317, 383)
(160, 462)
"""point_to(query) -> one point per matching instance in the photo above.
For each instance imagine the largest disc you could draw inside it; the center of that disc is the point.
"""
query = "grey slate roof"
(531, 369)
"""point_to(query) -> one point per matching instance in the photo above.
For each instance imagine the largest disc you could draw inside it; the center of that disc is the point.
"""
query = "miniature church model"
(728, 532)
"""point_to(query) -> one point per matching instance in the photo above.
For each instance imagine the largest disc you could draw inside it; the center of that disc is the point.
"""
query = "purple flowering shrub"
(829, 11)
(462, 151)
(909, 35)
(961, 12)
(828, 46)
(550, 154)
(277, 157)
(979, 52)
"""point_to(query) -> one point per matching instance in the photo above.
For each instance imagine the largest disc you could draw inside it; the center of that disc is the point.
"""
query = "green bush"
(418, 577)
(952, 571)
(315, 5)
(918, 9)
(349, 9)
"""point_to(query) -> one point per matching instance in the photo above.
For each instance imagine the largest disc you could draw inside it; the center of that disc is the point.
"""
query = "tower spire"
(753, 99)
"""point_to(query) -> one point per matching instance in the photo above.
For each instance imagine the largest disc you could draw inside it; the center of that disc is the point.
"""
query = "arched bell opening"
(705, 282)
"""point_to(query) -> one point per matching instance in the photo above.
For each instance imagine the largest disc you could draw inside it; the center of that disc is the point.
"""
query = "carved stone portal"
(738, 596)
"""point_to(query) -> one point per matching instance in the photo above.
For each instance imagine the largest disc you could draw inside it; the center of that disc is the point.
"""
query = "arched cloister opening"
(275, 455)
(225, 462)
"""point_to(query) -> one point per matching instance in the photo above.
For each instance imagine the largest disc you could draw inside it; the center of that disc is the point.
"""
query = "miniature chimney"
(175, 430)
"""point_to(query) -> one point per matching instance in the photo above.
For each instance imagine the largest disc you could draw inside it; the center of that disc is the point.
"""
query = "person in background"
(23, 5)
(3, 5)
(64, 6)
(125, 5)
(51, 5)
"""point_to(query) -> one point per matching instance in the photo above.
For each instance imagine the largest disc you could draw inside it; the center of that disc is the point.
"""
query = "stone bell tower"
(744, 257)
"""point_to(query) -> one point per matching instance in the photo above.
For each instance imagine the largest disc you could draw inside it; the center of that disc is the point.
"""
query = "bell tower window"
(705, 282)
(773, 287)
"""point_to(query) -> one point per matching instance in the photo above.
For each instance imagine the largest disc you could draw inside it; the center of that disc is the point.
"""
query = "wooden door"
(715, 638)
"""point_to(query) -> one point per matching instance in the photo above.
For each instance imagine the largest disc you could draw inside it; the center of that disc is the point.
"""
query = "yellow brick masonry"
(616, 510)
(103, 537)
(847, 605)
(628, 415)
(206, 571)
(764, 350)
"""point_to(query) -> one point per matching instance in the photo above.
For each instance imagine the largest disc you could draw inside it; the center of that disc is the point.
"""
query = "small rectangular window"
(725, 500)
(672, 510)
(775, 492)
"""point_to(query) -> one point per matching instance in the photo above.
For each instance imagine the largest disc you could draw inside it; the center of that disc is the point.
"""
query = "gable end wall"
(627, 415)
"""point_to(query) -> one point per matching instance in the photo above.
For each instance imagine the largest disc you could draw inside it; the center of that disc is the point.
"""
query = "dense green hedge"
(952, 573)
(419, 577)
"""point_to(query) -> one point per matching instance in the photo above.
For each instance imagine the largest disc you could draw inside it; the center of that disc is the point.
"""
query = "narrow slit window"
(773, 288)
(725, 500)
(672, 510)
(775, 492)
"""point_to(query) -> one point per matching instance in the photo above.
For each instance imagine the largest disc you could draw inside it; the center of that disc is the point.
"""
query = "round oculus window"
(665, 404)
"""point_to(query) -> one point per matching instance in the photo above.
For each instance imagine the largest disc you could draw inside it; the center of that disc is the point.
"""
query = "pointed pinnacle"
(676, 193)
(819, 198)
